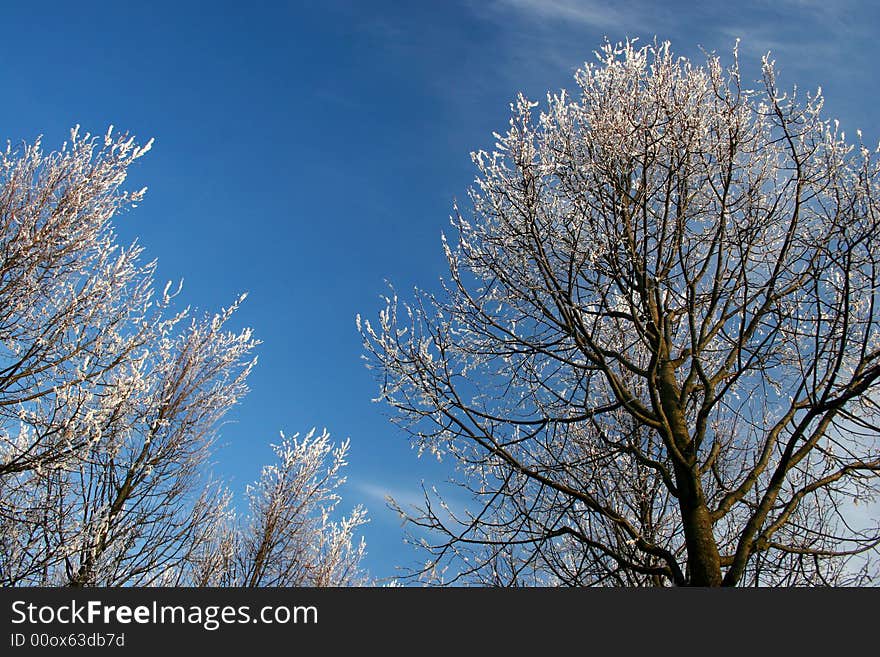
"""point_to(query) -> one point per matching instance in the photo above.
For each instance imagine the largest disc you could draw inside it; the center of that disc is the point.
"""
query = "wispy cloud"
(412, 500)
(406, 498)
(542, 42)
(600, 15)
(808, 36)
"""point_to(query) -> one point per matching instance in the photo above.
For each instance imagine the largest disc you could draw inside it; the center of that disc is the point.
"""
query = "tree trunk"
(704, 562)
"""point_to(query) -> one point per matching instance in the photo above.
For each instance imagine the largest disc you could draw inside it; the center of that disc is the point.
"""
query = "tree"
(110, 401)
(656, 357)
(289, 538)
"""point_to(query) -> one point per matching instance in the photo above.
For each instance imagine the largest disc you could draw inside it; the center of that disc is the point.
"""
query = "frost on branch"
(290, 536)
(656, 357)
(290, 539)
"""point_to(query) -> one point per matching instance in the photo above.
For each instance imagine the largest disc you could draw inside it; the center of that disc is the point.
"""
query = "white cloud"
(586, 12)
(379, 493)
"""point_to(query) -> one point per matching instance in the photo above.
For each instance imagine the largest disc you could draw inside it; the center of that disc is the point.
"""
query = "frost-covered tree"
(109, 400)
(656, 357)
(289, 537)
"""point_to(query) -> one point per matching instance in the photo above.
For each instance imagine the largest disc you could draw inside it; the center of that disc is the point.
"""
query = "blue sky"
(306, 152)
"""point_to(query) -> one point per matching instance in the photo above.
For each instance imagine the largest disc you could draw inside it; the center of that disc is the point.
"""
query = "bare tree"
(657, 354)
(110, 402)
(289, 537)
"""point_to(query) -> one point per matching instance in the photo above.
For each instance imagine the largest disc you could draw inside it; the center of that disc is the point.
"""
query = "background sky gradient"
(308, 152)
